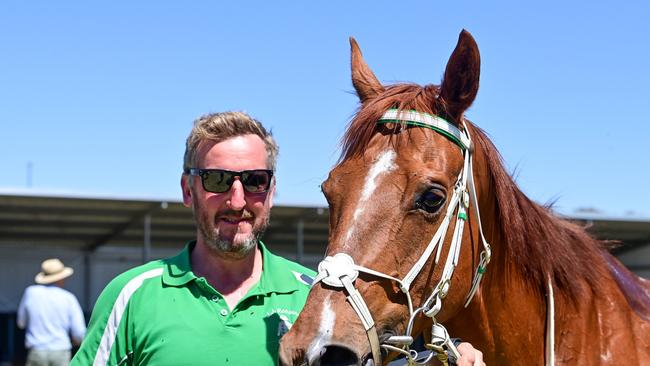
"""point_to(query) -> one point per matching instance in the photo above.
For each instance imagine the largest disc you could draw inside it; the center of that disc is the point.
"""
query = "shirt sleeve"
(21, 316)
(106, 341)
(77, 320)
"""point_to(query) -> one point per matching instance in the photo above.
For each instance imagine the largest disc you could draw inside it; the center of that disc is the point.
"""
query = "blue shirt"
(51, 315)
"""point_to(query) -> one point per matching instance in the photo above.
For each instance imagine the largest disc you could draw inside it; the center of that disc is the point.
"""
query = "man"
(50, 315)
(225, 299)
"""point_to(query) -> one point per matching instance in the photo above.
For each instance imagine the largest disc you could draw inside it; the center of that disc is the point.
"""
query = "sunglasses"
(221, 180)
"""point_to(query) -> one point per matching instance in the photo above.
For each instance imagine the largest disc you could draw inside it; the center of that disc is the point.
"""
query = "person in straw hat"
(50, 315)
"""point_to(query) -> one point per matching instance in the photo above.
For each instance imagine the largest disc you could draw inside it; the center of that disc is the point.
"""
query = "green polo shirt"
(160, 313)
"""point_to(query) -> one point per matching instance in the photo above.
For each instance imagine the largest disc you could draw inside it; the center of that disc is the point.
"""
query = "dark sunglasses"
(220, 180)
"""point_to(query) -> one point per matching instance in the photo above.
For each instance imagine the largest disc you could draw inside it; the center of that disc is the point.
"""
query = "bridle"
(340, 271)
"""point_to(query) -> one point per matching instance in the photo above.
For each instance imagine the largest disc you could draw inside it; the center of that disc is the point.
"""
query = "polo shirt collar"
(178, 270)
(276, 276)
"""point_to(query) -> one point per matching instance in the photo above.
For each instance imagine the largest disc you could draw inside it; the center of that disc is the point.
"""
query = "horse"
(416, 179)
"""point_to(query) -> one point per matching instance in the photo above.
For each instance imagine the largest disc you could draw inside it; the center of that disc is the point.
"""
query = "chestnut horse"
(412, 169)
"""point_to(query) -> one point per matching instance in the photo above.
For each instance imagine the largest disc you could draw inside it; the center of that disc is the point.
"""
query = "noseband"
(340, 271)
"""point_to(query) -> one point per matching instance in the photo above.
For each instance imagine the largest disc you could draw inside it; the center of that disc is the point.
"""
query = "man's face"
(230, 222)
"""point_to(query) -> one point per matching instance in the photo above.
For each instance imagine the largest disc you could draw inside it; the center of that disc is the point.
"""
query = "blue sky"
(99, 97)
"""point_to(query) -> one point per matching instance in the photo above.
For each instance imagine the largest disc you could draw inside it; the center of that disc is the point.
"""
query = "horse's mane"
(539, 242)
(534, 242)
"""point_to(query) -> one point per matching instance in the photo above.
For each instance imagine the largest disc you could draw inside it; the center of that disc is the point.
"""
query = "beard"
(235, 247)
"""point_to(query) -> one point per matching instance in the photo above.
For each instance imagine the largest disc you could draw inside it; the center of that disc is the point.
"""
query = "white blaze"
(325, 331)
(384, 164)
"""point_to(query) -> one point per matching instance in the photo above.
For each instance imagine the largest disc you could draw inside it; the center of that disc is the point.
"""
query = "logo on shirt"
(284, 325)
(285, 317)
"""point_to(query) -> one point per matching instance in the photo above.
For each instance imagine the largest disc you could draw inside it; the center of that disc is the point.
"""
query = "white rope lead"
(550, 325)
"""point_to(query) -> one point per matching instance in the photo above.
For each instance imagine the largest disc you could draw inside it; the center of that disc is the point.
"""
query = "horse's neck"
(507, 326)
(605, 327)
(507, 318)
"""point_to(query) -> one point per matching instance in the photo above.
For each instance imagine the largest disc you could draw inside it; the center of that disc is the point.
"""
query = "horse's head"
(397, 198)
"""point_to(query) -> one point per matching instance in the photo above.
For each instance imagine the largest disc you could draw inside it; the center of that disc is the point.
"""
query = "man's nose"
(237, 196)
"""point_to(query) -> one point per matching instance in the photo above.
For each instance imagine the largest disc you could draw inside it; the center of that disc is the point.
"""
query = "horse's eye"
(430, 201)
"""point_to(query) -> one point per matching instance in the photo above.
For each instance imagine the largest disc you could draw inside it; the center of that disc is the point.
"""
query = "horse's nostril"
(339, 356)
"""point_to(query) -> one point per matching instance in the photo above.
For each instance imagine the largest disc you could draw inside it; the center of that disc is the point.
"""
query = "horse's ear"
(460, 83)
(363, 79)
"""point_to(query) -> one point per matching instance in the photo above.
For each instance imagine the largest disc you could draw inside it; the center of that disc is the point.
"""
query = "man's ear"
(187, 190)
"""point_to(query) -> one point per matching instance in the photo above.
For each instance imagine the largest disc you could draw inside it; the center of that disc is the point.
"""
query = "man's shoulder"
(45, 290)
(277, 259)
(64, 293)
(297, 267)
(135, 277)
(301, 273)
(153, 268)
(31, 289)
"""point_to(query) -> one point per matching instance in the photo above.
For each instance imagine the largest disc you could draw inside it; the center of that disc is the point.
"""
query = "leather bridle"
(340, 271)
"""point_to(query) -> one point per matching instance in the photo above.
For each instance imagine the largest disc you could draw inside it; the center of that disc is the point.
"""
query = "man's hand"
(469, 356)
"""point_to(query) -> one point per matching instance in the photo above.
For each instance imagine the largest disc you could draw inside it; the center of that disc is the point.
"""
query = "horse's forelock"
(401, 96)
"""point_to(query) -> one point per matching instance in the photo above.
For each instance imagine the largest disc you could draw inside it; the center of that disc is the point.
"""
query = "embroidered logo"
(284, 325)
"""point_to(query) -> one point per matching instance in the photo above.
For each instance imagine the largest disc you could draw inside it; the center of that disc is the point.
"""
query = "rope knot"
(331, 270)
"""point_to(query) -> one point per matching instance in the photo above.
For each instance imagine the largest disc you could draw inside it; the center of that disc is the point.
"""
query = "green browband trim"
(419, 119)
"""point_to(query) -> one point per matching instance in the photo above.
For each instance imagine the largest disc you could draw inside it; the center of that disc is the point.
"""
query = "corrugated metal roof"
(88, 223)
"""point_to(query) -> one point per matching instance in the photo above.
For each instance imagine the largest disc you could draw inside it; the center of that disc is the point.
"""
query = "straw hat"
(52, 270)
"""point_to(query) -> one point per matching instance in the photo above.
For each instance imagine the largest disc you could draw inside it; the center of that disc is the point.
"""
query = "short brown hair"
(218, 127)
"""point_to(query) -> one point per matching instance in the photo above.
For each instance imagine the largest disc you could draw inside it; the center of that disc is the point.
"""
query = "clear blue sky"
(99, 97)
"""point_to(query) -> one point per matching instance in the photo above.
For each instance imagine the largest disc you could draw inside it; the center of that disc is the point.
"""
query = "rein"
(340, 271)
